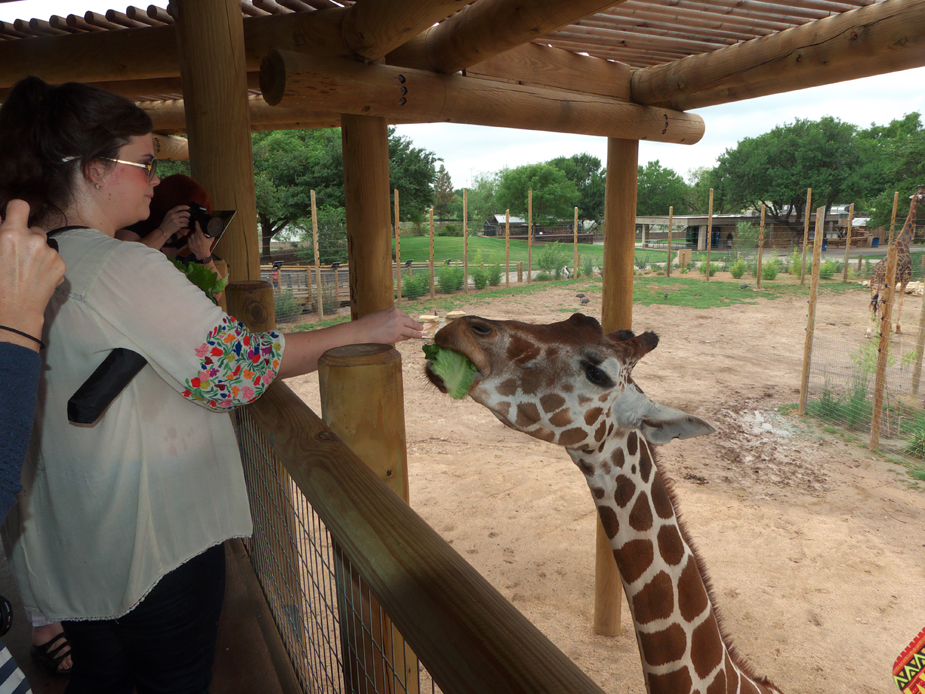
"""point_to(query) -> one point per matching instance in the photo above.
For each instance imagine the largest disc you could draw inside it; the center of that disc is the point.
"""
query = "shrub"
(330, 299)
(416, 285)
(737, 269)
(827, 269)
(449, 230)
(704, 268)
(769, 270)
(286, 307)
(551, 258)
(479, 277)
(449, 279)
(494, 274)
(543, 277)
(795, 266)
(587, 266)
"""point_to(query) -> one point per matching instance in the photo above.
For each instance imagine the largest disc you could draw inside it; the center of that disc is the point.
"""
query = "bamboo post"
(760, 245)
(507, 249)
(883, 347)
(466, 240)
(811, 316)
(709, 234)
(317, 258)
(809, 196)
(844, 277)
(432, 295)
(616, 314)
(576, 241)
(919, 344)
(397, 253)
(362, 402)
(670, 224)
(529, 236)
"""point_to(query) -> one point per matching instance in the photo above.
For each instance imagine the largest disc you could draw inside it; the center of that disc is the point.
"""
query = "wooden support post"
(616, 314)
(320, 299)
(337, 288)
(465, 241)
(811, 316)
(432, 294)
(860, 260)
(507, 249)
(210, 44)
(844, 276)
(893, 216)
(919, 344)
(709, 235)
(397, 253)
(362, 402)
(670, 224)
(529, 236)
(809, 196)
(366, 195)
(883, 347)
(520, 272)
(575, 229)
(760, 246)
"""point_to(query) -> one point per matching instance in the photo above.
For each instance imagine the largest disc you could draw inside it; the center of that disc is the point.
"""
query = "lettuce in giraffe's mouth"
(452, 368)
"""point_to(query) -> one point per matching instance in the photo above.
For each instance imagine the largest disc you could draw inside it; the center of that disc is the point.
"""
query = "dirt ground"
(815, 547)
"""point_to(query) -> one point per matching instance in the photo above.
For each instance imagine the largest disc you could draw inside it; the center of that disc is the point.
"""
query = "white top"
(108, 509)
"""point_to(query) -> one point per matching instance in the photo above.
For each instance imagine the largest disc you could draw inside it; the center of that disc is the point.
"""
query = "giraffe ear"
(661, 424)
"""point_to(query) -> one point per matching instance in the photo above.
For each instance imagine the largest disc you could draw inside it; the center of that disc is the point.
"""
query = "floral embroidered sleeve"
(235, 365)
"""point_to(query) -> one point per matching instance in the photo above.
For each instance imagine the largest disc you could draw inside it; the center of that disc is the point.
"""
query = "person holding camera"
(119, 529)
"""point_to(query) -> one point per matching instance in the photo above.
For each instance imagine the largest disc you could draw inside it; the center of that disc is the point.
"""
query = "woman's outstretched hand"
(389, 326)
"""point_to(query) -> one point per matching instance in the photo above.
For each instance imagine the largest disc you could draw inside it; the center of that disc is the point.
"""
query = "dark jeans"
(166, 644)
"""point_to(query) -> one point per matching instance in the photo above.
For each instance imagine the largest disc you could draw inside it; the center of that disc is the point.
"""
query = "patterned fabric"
(236, 366)
(12, 679)
(909, 669)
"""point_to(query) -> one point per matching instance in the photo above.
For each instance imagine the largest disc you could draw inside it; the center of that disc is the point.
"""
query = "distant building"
(563, 231)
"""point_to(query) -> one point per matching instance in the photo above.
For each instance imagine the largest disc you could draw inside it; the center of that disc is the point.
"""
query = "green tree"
(658, 189)
(444, 196)
(588, 175)
(413, 174)
(481, 198)
(554, 196)
(699, 182)
(777, 167)
(332, 236)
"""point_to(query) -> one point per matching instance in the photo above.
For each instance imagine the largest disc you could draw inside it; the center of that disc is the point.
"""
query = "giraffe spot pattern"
(634, 558)
(583, 400)
(670, 545)
(592, 415)
(665, 646)
(527, 415)
(694, 599)
(503, 408)
(552, 402)
(632, 444)
(598, 492)
(732, 675)
(748, 687)
(671, 683)
(618, 458)
(706, 647)
(586, 467)
(566, 387)
(572, 436)
(645, 461)
(507, 387)
(609, 520)
(600, 432)
(532, 381)
(560, 419)
(718, 685)
(624, 491)
(660, 500)
(641, 515)
(521, 351)
(544, 434)
(650, 604)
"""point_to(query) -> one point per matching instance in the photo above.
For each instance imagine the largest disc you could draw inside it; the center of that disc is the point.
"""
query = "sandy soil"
(815, 547)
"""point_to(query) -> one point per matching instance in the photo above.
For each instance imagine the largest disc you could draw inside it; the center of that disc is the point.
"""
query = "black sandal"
(49, 657)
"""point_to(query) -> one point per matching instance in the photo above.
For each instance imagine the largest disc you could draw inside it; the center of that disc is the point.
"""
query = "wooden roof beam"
(345, 86)
(490, 27)
(872, 40)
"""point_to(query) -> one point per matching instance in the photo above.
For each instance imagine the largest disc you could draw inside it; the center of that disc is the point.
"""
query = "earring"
(98, 186)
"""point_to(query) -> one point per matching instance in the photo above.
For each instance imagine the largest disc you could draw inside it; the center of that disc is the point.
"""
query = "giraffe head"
(567, 383)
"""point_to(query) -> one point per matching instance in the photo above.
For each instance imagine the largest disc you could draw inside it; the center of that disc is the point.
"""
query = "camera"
(211, 226)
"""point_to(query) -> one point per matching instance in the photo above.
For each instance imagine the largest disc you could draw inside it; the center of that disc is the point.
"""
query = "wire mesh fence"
(338, 639)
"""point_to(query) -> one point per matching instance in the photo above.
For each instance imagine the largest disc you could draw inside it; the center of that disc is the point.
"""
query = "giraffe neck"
(682, 647)
(905, 236)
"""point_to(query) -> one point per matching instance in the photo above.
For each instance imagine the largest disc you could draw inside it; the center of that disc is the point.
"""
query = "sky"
(468, 150)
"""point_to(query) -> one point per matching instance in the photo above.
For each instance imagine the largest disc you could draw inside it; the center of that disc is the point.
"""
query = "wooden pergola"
(625, 70)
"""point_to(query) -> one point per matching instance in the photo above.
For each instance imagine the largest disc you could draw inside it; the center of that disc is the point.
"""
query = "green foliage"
(330, 299)
(542, 277)
(588, 175)
(554, 195)
(413, 173)
(916, 446)
(286, 307)
(769, 270)
(795, 264)
(449, 279)
(658, 189)
(449, 230)
(551, 258)
(481, 198)
(332, 236)
(479, 277)
(737, 269)
(587, 266)
(210, 283)
(746, 237)
(494, 274)
(713, 267)
(443, 193)
(416, 285)
(828, 269)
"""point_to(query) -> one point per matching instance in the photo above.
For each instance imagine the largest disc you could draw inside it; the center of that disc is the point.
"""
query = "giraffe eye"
(597, 376)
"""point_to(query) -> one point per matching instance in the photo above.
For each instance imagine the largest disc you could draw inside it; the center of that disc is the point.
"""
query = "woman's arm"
(201, 247)
(386, 327)
(174, 221)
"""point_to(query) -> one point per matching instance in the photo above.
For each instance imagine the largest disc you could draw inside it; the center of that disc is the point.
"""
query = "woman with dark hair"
(121, 522)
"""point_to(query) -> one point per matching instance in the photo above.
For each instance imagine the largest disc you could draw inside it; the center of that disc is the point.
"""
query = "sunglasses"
(150, 167)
